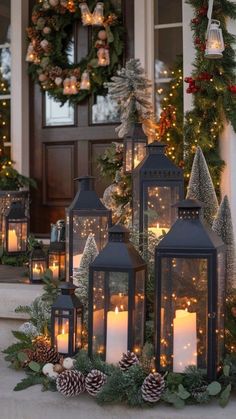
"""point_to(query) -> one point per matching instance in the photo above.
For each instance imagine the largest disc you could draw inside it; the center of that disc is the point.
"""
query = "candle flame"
(116, 310)
(63, 331)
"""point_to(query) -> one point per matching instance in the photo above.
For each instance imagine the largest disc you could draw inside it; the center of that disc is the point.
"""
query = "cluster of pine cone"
(42, 352)
(73, 382)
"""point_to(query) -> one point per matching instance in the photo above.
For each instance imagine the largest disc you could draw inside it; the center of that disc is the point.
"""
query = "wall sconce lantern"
(157, 185)
(116, 298)
(15, 231)
(57, 260)
(37, 263)
(86, 215)
(214, 41)
(67, 321)
(134, 147)
(189, 296)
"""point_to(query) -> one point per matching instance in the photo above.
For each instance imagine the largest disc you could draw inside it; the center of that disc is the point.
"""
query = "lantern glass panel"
(220, 305)
(61, 331)
(56, 262)
(83, 226)
(98, 312)
(135, 151)
(38, 267)
(78, 342)
(184, 313)
(17, 236)
(139, 311)
(159, 214)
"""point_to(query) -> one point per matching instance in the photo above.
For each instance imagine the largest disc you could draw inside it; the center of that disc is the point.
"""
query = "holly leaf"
(214, 388)
(34, 366)
(22, 357)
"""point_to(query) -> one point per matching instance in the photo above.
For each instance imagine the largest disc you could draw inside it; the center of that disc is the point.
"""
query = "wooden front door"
(65, 142)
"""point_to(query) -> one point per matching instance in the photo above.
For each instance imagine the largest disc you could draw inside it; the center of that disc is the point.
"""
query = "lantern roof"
(119, 253)
(67, 298)
(86, 198)
(16, 211)
(57, 246)
(190, 232)
(136, 132)
(157, 165)
(37, 253)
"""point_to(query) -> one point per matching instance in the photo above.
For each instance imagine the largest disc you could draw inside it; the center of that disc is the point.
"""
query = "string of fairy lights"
(5, 161)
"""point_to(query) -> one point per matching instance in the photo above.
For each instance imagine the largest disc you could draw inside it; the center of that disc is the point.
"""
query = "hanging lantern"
(57, 260)
(85, 81)
(157, 185)
(116, 298)
(31, 54)
(98, 17)
(103, 57)
(67, 321)
(190, 294)
(86, 215)
(66, 87)
(134, 147)
(86, 15)
(214, 41)
(15, 230)
(37, 263)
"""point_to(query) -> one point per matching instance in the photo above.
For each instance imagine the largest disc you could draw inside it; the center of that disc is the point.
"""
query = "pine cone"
(43, 353)
(55, 72)
(94, 382)
(70, 383)
(128, 360)
(200, 394)
(31, 32)
(153, 387)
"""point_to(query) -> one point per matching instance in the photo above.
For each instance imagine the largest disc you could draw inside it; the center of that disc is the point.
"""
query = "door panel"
(65, 143)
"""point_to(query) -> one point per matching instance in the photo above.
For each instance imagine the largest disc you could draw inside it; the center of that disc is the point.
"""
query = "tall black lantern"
(67, 321)
(85, 216)
(57, 260)
(15, 231)
(190, 290)
(157, 185)
(134, 147)
(37, 263)
(116, 298)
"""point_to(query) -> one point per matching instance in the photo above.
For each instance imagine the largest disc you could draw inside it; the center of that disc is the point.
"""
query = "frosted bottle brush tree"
(131, 89)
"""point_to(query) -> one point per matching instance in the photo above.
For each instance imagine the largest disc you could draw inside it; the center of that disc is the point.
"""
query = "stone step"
(35, 404)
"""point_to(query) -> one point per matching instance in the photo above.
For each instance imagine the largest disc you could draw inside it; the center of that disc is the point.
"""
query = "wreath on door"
(50, 44)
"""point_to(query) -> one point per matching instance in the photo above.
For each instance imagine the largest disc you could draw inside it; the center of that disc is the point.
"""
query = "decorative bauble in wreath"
(50, 40)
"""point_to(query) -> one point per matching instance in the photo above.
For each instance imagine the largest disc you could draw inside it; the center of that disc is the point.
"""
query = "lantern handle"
(209, 15)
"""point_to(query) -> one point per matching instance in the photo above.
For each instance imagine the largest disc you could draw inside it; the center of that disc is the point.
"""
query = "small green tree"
(201, 187)
(223, 226)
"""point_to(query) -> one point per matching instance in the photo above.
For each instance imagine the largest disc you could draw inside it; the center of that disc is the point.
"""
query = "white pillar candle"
(55, 270)
(158, 231)
(38, 271)
(117, 335)
(12, 241)
(185, 340)
(63, 343)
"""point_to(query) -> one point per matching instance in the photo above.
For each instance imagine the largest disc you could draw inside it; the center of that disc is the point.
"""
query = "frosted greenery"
(201, 187)
(223, 226)
(131, 89)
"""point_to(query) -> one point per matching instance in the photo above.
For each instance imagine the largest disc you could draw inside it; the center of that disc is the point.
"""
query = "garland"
(50, 44)
(213, 86)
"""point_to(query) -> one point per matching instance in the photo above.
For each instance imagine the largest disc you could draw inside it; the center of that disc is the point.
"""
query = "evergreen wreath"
(50, 42)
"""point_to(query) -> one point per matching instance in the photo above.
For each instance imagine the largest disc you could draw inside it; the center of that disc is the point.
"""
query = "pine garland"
(214, 99)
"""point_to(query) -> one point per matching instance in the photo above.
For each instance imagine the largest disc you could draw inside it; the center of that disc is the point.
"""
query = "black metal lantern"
(67, 321)
(190, 290)
(15, 230)
(57, 260)
(157, 185)
(85, 216)
(37, 263)
(116, 298)
(134, 147)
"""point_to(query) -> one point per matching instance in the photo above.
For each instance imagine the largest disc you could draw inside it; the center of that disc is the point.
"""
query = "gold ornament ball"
(58, 368)
(102, 35)
(42, 77)
(47, 30)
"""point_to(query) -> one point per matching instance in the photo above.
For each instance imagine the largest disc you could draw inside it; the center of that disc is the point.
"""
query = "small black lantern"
(157, 185)
(85, 216)
(67, 321)
(134, 147)
(37, 263)
(15, 230)
(190, 291)
(116, 298)
(57, 260)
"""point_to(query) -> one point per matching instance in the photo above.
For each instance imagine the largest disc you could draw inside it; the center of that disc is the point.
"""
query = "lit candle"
(117, 335)
(185, 340)
(158, 231)
(63, 343)
(37, 271)
(12, 241)
(55, 270)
